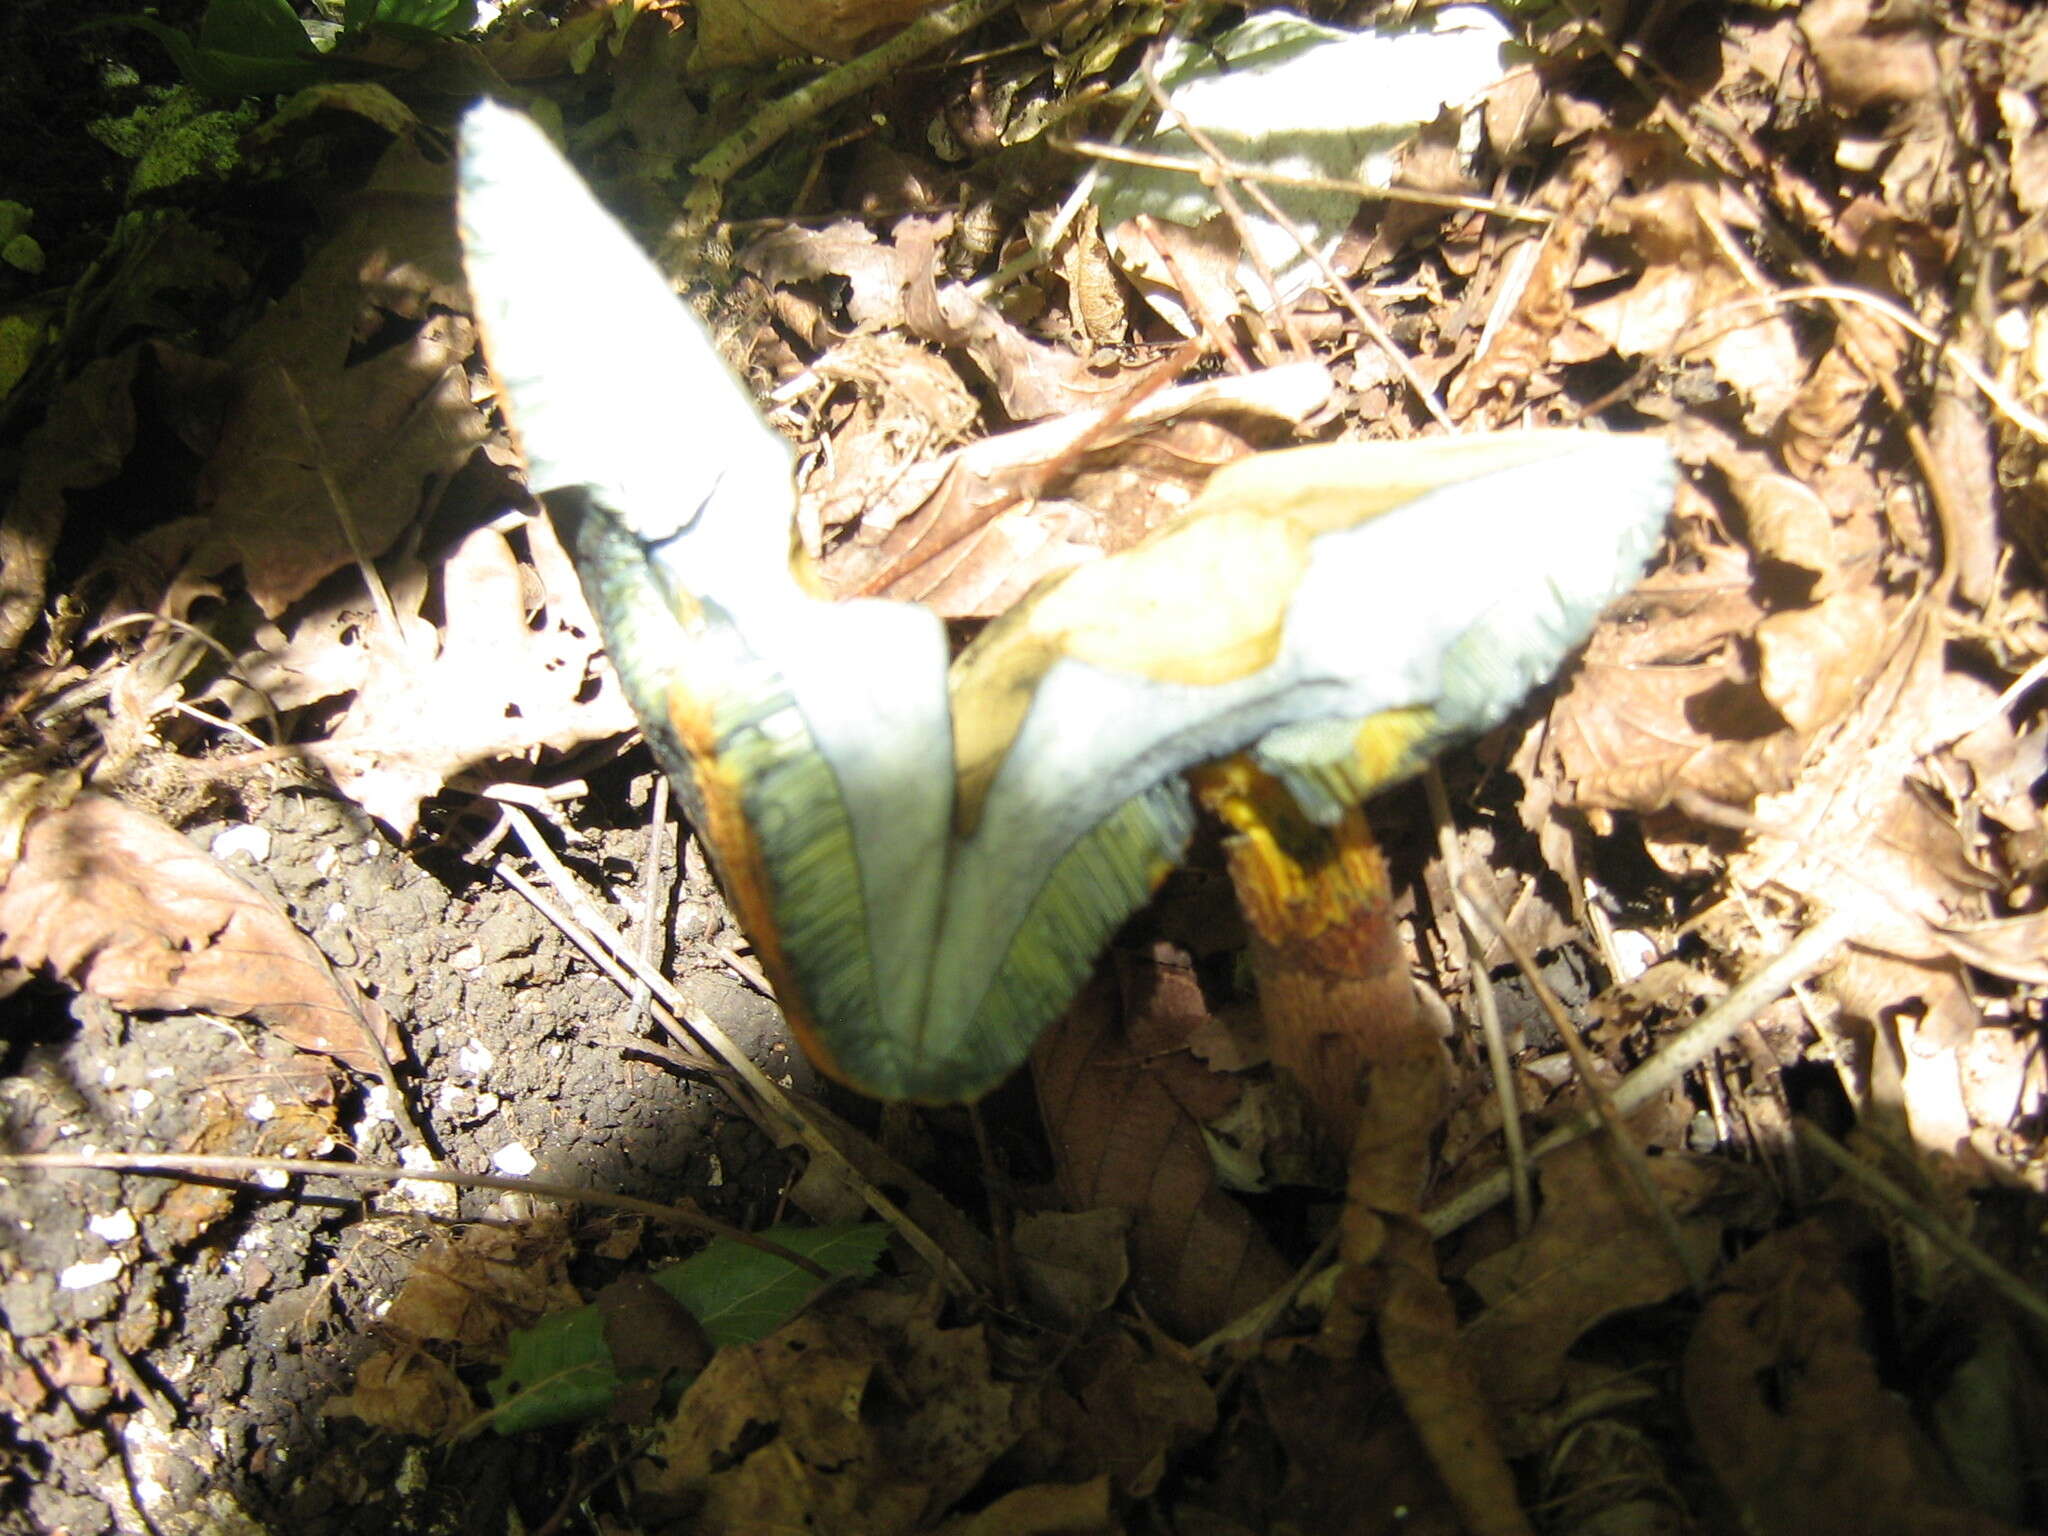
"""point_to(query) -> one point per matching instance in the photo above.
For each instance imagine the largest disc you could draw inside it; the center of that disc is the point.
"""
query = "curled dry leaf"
(1871, 54)
(1593, 1252)
(1073, 1263)
(1523, 345)
(1031, 378)
(894, 407)
(82, 441)
(115, 903)
(472, 1290)
(1666, 701)
(1692, 302)
(516, 668)
(1122, 1403)
(971, 532)
(408, 1392)
(862, 1416)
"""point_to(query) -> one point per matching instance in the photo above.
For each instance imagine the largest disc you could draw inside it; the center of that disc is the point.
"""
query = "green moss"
(176, 138)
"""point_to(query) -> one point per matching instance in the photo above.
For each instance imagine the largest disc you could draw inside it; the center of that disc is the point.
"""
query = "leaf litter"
(1806, 253)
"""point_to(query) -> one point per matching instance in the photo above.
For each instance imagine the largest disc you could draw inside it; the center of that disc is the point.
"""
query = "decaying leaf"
(971, 532)
(406, 1391)
(1122, 1403)
(331, 440)
(1594, 1251)
(82, 441)
(1073, 1264)
(473, 1289)
(1792, 1415)
(733, 33)
(114, 902)
(863, 1415)
(511, 671)
(1122, 1138)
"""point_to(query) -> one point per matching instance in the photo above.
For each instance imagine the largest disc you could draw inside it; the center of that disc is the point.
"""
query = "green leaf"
(244, 48)
(255, 29)
(427, 18)
(559, 1370)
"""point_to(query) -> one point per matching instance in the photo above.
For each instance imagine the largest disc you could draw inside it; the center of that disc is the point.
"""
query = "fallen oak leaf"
(512, 670)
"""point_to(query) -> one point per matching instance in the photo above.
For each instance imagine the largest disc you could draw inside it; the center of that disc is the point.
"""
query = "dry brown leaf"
(1095, 298)
(1814, 664)
(876, 274)
(1120, 1139)
(971, 532)
(1854, 827)
(1791, 1414)
(1072, 1264)
(407, 1392)
(1665, 700)
(1816, 425)
(1354, 1463)
(472, 1290)
(82, 441)
(1051, 1509)
(512, 671)
(1122, 1404)
(862, 1415)
(1691, 302)
(115, 903)
(1187, 272)
(1594, 1251)
(538, 53)
(1523, 347)
(2014, 947)
(1031, 378)
(386, 418)
(1964, 454)
(906, 407)
(1870, 54)
(298, 1119)
(734, 33)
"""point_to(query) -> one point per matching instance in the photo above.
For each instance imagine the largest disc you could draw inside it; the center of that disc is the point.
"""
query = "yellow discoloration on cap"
(1204, 603)
(1388, 746)
(1331, 486)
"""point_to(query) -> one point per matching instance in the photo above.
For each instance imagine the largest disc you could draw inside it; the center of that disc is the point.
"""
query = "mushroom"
(928, 857)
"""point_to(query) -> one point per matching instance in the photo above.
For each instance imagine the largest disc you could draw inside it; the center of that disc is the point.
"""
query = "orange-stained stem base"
(1333, 979)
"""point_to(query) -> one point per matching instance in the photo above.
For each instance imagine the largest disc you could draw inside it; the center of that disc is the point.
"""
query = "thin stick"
(624, 974)
(1474, 901)
(1797, 961)
(179, 1164)
(767, 127)
(1232, 210)
(1368, 322)
(380, 598)
(1483, 1000)
(1937, 1227)
(769, 1100)
(231, 662)
(653, 890)
(1254, 175)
